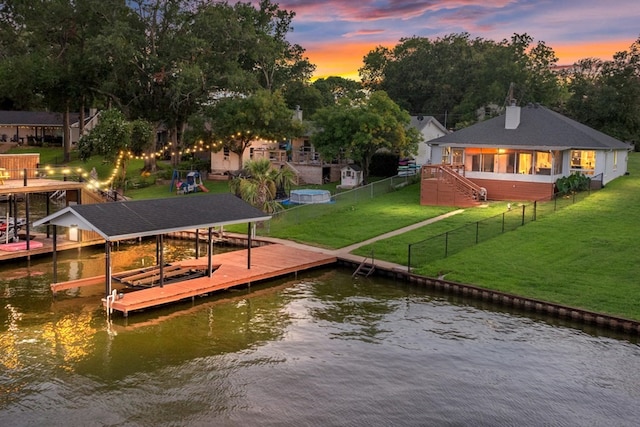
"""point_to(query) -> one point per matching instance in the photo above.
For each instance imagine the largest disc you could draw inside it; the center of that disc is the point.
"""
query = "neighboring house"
(429, 128)
(298, 154)
(38, 128)
(520, 155)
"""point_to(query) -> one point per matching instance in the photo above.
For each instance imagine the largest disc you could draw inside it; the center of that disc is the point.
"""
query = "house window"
(225, 151)
(482, 162)
(543, 160)
(615, 160)
(505, 161)
(251, 153)
(583, 161)
(458, 156)
(446, 155)
(557, 162)
(525, 163)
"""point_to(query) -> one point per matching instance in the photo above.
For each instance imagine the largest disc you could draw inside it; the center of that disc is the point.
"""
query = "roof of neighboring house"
(539, 128)
(421, 122)
(34, 118)
(140, 218)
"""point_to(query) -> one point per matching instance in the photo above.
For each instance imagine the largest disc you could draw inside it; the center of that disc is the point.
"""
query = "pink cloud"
(371, 10)
(363, 32)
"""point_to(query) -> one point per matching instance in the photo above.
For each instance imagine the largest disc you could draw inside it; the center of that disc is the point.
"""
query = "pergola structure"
(157, 217)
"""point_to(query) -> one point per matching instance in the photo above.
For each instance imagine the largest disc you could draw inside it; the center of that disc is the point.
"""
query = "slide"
(203, 188)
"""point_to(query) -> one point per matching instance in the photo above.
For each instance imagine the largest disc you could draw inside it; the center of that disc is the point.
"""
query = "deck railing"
(454, 174)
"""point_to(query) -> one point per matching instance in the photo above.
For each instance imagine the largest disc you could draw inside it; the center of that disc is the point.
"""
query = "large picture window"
(583, 161)
(510, 161)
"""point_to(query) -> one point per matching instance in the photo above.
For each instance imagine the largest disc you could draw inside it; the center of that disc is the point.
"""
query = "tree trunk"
(81, 119)
(173, 138)
(66, 134)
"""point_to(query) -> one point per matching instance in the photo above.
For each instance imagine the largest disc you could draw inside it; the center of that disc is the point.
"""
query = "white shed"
(351, 176)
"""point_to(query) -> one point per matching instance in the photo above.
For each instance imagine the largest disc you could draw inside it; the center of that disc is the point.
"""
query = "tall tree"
(606, 94)
(453, 76)
(273, 59)
(239, 121)
(358, 130)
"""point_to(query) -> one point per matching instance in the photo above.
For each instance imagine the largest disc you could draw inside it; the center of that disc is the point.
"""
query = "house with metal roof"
(519, 156)
(41, 127)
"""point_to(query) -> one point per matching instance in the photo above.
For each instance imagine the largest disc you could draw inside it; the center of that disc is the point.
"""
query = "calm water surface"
(322, 349)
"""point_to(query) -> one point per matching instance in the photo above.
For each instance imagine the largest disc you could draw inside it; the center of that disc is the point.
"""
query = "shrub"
(572, 183)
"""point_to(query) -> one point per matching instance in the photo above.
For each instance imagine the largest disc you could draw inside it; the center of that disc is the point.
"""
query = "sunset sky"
(337, 34)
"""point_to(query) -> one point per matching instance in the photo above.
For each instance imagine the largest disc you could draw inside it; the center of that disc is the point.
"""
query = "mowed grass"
(345, 223)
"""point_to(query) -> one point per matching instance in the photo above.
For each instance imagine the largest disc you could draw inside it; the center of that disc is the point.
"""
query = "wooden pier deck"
(267, 262)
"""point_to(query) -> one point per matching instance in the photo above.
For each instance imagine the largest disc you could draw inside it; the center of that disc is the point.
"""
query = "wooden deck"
(267, 262)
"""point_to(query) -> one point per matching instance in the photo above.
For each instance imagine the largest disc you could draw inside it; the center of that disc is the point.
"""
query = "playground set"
(191, 183)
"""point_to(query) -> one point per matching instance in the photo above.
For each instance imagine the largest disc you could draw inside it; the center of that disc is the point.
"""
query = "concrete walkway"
(345, 252)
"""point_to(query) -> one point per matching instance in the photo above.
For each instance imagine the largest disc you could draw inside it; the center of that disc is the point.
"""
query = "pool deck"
(267, 262)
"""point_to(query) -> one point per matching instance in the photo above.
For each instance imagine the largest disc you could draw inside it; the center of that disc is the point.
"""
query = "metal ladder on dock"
(365, 269)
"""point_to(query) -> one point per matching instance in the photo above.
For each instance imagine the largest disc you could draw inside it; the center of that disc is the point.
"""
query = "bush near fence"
(451, 242)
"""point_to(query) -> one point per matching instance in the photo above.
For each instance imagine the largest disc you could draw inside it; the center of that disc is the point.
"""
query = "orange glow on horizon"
(345, 60)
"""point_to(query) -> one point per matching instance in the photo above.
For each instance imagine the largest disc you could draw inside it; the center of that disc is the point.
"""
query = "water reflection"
(320, 349)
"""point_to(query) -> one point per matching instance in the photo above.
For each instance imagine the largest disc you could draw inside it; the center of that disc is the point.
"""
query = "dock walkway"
(267, 262)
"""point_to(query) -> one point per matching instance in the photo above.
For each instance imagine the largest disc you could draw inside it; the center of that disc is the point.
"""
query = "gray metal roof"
(540, 128)
(34, 118)
(140, 218)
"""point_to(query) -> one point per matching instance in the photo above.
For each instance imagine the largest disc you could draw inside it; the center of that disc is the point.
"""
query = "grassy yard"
(345, 223)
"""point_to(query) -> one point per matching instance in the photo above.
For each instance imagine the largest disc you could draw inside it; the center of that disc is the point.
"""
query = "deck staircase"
(446, 185)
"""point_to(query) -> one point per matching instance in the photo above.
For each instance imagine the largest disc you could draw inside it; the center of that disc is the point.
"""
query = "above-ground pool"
(304, 196)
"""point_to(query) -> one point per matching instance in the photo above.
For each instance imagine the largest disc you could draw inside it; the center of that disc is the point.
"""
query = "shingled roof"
(539, 128)
(140, 218)
(34, 118)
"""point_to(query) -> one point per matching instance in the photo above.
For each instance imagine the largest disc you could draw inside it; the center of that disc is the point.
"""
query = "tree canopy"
(358, 129)
(235, 122)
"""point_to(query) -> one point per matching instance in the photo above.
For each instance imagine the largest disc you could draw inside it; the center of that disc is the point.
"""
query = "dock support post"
(55, 254)
(210, 253)
(249, 244)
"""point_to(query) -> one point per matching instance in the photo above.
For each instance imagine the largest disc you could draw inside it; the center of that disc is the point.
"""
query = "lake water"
(320, 349)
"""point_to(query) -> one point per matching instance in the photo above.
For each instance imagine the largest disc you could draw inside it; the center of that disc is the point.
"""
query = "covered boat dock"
(167, 283)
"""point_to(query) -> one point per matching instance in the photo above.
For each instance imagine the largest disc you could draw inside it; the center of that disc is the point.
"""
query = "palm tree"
(258, 184)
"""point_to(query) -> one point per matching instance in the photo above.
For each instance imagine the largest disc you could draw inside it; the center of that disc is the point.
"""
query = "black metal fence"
(451, 242)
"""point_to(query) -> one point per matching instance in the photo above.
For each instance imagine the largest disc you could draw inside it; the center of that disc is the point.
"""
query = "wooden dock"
(267, 262)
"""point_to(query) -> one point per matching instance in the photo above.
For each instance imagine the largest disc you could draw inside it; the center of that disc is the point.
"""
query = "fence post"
(477, 232)
(535, 210)
(446, 244)
(409, 259)
(503, 222)
(523, 210)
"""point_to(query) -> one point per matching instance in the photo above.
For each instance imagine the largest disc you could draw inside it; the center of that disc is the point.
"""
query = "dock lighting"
(66, 171)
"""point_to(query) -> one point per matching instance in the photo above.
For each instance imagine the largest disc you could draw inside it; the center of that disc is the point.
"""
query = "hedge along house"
(521, 154)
